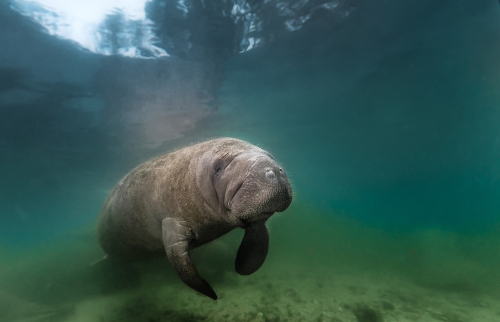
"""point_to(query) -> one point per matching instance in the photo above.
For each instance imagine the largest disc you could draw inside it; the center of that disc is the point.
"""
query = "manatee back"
(126, 227)
(129, 224)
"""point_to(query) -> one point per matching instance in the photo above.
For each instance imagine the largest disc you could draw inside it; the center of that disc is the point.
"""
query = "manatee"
(187, 198)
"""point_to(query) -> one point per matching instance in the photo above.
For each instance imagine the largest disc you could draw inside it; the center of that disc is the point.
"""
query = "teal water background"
(388, 116)
(387, 121)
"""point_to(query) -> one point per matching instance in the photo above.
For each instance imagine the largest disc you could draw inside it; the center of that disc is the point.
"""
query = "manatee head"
(247, 183)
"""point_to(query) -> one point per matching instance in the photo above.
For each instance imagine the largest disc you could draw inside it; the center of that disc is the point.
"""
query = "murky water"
(385, 116)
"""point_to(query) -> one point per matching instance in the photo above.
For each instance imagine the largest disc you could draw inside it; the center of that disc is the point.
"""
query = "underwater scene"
(373, 159)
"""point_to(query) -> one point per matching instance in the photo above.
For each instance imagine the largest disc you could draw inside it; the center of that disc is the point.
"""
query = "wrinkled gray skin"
(189, 197)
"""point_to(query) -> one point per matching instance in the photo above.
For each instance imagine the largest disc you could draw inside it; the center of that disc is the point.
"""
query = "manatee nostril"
(270, 173)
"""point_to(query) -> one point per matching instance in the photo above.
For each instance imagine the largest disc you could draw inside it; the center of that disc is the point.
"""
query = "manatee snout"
(265, 190)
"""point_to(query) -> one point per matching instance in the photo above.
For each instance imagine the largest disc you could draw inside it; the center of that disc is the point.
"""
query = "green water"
(313, 253)
(385, 122)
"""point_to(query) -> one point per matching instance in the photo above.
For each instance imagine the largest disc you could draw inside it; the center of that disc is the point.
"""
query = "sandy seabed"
(290, 293)
(321, 270)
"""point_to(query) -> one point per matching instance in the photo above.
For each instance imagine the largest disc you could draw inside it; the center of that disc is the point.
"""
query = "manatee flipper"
(253, 250)
(176, 238)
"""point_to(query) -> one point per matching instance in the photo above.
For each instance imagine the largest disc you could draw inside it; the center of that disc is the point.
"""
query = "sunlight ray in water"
(89, 24)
